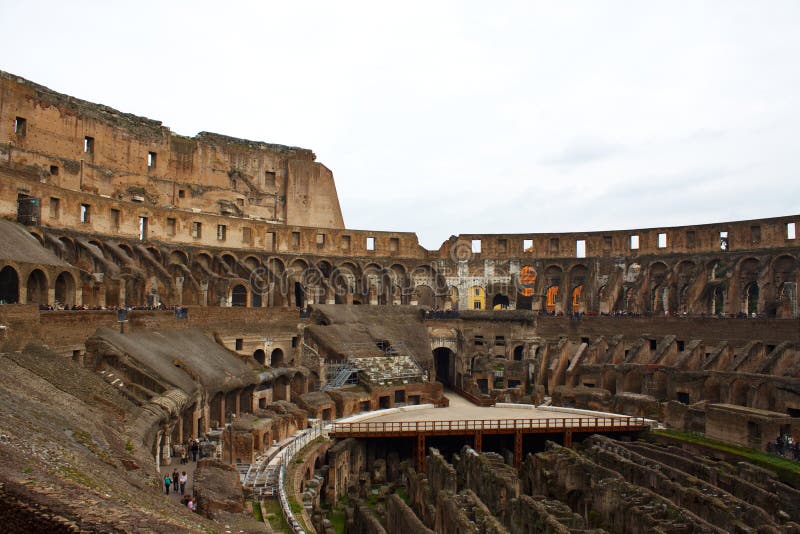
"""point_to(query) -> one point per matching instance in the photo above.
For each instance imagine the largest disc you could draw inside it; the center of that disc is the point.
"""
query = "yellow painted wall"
(477, 298)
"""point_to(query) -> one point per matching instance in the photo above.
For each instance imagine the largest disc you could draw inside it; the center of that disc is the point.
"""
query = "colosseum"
(196, 306)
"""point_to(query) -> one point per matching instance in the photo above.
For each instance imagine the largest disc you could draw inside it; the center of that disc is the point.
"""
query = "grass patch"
(787, 470)
(402, 492)
(338, 519)
(295, 507)
(257, 512)
(274, 516)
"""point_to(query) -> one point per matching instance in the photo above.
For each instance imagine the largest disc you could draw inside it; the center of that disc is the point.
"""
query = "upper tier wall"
(267, 196)
(81, 146)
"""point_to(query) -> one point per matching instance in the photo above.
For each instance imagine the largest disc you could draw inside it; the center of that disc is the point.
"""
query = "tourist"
(175, 477)
(191, 505)
(195, 448)
(182, 481)
(167, 483)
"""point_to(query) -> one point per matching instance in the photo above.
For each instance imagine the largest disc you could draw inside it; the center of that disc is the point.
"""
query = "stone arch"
(454, 297)
(155, 252)
(126, 248)
(500, 302)
(609, 380)
(275, 282)
(444, 363)
(298, 385)
(740, 392)
(552, 282)
(252, 262)
(343, 282)
(37, 235)
(717, 304)
(178, 257)
(280, 387)
(260, 356)
(9, 285)
(519, 352)
(750, 297)
(239, 295)
(632, 382)
(65, 289)
(228, 264)
(37, 287)
(276, 358)
(659, 290)
(425, 295)
(400, 283)
(67, 251)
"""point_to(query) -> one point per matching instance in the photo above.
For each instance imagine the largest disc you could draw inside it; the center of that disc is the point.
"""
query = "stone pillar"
(204, 293)
(178, 290)
(166, 453)
(222, 411)
(122, 292)
(196, 415)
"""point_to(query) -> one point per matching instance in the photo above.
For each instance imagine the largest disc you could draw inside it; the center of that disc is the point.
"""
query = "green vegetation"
(338, 519)
(129, 447)
(295, 506)
(257, 512)
(274, 516)
(787, 470)
(402, 492)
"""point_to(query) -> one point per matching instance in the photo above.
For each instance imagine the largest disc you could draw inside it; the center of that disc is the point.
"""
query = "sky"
(462, 117)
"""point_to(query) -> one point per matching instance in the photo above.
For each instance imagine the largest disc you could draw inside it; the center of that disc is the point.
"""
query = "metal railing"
(556, 424)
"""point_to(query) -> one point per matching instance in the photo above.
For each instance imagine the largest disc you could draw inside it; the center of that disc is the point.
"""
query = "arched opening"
(576, 299)
(500, 302)
(37, 287)
(260, 356)
(717, 301)
(239, 296)
(751, 298)
(9, 285)
(298, 386)
(65, 289)
(519, 351)
(444, 361)
(299, 295)
(424, 295)
(632, 383)
(280, 388)
(551, 298)
(739, 393)
(276, 358)
(527, 285)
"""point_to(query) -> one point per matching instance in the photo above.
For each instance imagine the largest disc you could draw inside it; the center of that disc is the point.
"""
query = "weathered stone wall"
(400, 518)
(217, 488)
(494, 482)
(22, 516)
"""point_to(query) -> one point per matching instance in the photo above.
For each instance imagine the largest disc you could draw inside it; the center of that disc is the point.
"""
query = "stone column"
(179, 290)
(204, 293)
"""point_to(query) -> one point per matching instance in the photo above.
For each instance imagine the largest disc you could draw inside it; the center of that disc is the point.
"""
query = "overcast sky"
(456, 117)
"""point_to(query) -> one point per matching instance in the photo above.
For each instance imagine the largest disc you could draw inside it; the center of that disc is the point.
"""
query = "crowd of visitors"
(785, 446)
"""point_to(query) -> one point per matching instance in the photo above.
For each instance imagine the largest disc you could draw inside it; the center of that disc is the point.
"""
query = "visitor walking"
(167, 483)
(182, 481)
